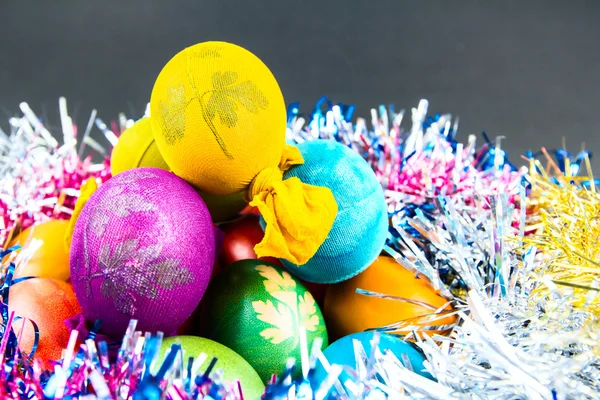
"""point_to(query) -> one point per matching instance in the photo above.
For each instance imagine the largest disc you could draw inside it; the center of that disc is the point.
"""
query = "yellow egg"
(136, 149)
(51, 260)
(218, 117)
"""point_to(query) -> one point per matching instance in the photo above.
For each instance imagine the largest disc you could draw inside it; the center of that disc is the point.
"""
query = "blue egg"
(341, 352)
(361, 225)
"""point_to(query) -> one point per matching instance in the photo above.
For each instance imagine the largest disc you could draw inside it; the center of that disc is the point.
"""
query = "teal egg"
(257, 309)
(361, 225)
(233, 365)
(341, 352)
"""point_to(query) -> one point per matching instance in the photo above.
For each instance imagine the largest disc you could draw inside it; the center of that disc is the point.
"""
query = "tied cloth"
(298, 216)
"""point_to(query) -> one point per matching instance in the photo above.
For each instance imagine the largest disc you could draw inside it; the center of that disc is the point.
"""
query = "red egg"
(240, 238)
(250, 210)
(47, 302)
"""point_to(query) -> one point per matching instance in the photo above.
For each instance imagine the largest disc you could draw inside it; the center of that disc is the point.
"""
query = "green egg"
(233, 365)
(257, 309)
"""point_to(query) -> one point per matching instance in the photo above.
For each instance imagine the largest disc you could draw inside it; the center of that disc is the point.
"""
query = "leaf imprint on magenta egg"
(119, 201)
(130, 271)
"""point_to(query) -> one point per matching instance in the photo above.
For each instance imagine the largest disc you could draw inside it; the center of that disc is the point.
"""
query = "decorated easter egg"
(240, 237)
(47, 302)
(51, 260)
(143, 244)
(137, 148)
(342, 352)
(234, 367)
(349, 312)
(361, 225)
(219, 120)
(257, 310)
(219, 117)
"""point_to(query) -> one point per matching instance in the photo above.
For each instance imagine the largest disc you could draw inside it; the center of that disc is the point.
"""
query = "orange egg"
(47, 302)
(348, 312)
(51, 260)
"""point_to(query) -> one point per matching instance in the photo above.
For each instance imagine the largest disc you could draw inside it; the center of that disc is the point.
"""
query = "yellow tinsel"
(565, 217)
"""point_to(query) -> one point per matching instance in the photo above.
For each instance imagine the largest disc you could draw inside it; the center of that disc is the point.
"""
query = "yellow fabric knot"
(88, 187)
(298, 216)
(263, 182)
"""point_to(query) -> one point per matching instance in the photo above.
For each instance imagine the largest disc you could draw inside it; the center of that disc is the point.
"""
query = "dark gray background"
(525, 69)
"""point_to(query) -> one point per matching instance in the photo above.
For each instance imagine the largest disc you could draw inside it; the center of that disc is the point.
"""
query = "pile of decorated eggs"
(144, 245)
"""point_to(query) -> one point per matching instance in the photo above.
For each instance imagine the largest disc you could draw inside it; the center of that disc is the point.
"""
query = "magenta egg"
(143, 248)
